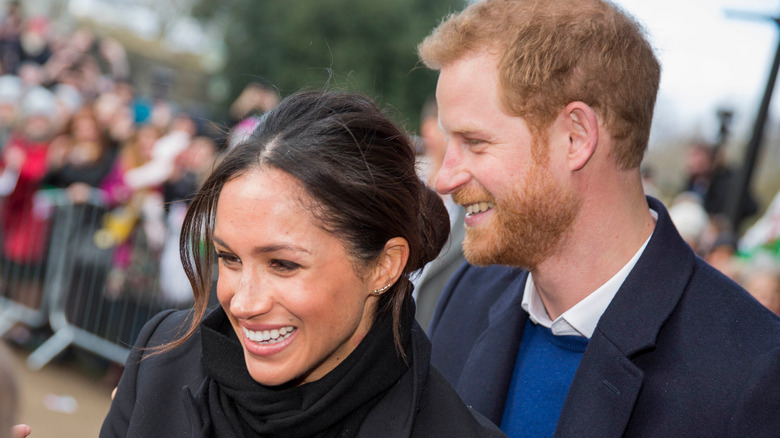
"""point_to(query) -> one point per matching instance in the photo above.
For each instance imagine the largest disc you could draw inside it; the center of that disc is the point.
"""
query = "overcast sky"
(709, 60)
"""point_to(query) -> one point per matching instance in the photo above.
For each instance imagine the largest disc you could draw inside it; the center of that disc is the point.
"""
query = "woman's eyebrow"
(267, 248)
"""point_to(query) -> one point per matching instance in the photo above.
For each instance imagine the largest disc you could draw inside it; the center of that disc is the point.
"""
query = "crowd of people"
(74, 132)
(700, 213)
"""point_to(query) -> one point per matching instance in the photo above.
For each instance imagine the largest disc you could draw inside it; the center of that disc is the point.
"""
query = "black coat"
(681, 351)
(155, 395)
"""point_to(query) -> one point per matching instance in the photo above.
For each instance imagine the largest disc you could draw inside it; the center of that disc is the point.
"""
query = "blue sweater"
(544, 370)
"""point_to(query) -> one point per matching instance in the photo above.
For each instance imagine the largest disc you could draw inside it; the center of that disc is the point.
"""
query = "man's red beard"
(528, 226)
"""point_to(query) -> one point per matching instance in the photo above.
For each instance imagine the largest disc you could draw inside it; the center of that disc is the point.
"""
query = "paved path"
(58, 385)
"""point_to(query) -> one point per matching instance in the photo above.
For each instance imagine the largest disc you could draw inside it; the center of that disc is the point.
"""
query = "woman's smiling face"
(289, 288)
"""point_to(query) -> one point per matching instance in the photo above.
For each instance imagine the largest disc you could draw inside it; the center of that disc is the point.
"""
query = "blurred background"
(113, 111)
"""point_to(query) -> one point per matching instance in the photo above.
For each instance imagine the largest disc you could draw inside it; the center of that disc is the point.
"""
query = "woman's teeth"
(269, 336)
(479, 207)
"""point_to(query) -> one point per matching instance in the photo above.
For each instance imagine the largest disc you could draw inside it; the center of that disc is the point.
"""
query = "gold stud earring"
(380, 290)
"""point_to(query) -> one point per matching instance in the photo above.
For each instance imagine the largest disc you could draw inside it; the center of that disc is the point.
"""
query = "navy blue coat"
(680, 351)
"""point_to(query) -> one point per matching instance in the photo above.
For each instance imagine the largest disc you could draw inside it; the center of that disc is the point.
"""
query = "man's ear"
(391, 263)
(583, 127)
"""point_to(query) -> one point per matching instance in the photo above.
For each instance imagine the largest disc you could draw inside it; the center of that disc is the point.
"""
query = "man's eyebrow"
(465, 130)
(268, 248)
(462, 130)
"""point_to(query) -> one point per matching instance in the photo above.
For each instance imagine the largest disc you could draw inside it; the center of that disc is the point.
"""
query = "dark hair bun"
(434, 227)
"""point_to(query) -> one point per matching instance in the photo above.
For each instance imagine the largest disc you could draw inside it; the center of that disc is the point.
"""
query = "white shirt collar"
(581, 319)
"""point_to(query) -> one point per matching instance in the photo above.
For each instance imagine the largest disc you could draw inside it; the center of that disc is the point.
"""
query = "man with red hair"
(602, 321)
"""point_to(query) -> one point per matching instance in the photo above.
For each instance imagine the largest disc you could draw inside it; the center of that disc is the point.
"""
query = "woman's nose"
(251, 298)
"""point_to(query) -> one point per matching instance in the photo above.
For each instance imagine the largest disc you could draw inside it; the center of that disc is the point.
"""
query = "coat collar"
(651, 291)
(607, 383)
(397, 410)
(486, 376)
(191, 403)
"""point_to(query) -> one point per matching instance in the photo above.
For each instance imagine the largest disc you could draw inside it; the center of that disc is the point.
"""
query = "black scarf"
(232, 404)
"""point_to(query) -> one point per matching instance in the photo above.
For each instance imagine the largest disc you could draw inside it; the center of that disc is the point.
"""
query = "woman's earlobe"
(394, 259)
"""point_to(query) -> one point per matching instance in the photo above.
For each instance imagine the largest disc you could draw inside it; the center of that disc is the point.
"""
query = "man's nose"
(452, 173)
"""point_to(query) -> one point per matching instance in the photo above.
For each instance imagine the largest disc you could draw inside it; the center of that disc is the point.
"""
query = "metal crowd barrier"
(86, 301)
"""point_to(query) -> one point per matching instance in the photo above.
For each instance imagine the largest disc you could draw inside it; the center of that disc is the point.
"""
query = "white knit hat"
(39, 101)
(690, 219)
(10, 89)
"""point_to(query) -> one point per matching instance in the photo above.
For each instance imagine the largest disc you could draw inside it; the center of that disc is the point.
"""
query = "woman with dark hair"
(317, 221)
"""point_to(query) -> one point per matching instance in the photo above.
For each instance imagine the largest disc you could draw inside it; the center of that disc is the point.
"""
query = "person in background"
(11, 26)
(711, 178)
(161, 166)
(429, 284)
(25, 231)
(585, 313)
(192, 166)
(255, 99)
(69, 102)
(722, 255)
(762, 280)
(317, 221)
(126, 204)
(10, 96)
(81, 157)
(690, 219)
(35, 40)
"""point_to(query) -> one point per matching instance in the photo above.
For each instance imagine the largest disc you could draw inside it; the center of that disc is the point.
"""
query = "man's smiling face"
(517, 211)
